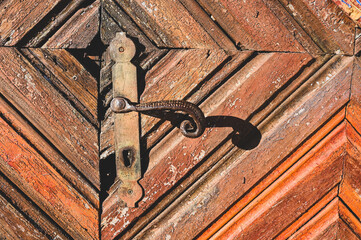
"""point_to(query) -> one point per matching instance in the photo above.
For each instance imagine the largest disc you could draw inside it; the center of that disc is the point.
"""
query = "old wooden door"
(279, 82)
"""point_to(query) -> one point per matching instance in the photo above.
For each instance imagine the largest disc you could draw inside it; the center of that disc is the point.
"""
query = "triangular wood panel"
(277, 81)
(49, 157)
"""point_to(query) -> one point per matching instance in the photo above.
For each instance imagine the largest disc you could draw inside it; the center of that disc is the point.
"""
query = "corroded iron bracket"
(127, 135)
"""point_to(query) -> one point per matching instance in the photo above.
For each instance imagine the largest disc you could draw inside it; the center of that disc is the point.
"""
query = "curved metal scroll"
(189, 129)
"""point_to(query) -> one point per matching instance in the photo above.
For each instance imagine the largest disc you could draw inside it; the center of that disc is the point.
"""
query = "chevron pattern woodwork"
(49, 156)
(279, 82)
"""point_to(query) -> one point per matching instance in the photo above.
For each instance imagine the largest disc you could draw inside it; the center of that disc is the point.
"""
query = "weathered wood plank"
(19, 17)
(176, 75)
(15, 225)
(308, 215)
(27, 207)
(69, 76)
(327, 25)
(354, 107)
(25, 129)
(49, 112)
(252, 25)
(78, 31)
(168, 24)
(227, 68)
(208, 24)
(327, 90)
(358, 41)
(174, 156)
(292, 194)
(46, 187)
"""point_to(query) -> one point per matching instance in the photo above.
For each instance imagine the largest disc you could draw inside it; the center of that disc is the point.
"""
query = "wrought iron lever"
(189, 129)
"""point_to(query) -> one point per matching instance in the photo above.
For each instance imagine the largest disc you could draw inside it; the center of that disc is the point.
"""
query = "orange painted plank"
(350, 219)
(13, 225)
(331, 29)
(25, 129)
(49, 112)
(329, 224)
(307, 181)
(168, 24)
(288, 126)
(18, 17)
(274, 175)
(349, 189)
(29, 209)
(78, 31)
(308, 215)
(323, 226)
(71, 76)
(46, 187)
(252, 25)
(354, 107)
(174, 156)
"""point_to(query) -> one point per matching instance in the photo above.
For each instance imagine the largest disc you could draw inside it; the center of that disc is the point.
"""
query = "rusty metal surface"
(126, 126)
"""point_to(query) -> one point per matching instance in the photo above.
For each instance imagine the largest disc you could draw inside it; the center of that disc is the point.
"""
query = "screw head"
(117, 104)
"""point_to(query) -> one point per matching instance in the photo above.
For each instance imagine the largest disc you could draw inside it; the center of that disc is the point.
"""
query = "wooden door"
(49, 155)
(279, 82)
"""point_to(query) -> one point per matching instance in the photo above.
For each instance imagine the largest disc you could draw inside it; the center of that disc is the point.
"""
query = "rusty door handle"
(188, 128)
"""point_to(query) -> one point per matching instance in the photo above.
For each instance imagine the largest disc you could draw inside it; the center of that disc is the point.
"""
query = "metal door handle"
(188, 128)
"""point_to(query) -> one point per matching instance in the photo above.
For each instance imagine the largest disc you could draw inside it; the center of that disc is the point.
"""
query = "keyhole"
(128, 157)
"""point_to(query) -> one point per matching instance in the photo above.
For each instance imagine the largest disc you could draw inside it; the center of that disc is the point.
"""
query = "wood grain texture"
(56, 23)
(168, 24)
(78, 31)
(291, 194)
(52, 115)
(14, 225)
(325, 23)
(354, 108)
(18, 17)
(56, 158)
(252, 25)
(352, 8)
(70, 77)
(261, 59)
(248, 164)
(35, 177)
(39, 219)
(300, 174)
(358, 41)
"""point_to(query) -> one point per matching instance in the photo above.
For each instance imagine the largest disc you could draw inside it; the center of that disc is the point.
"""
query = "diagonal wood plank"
(55, 24)
(49, 112)
(47, 188)
(252, 163)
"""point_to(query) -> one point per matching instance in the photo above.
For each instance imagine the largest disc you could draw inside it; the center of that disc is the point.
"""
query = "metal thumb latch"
(126, 120)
